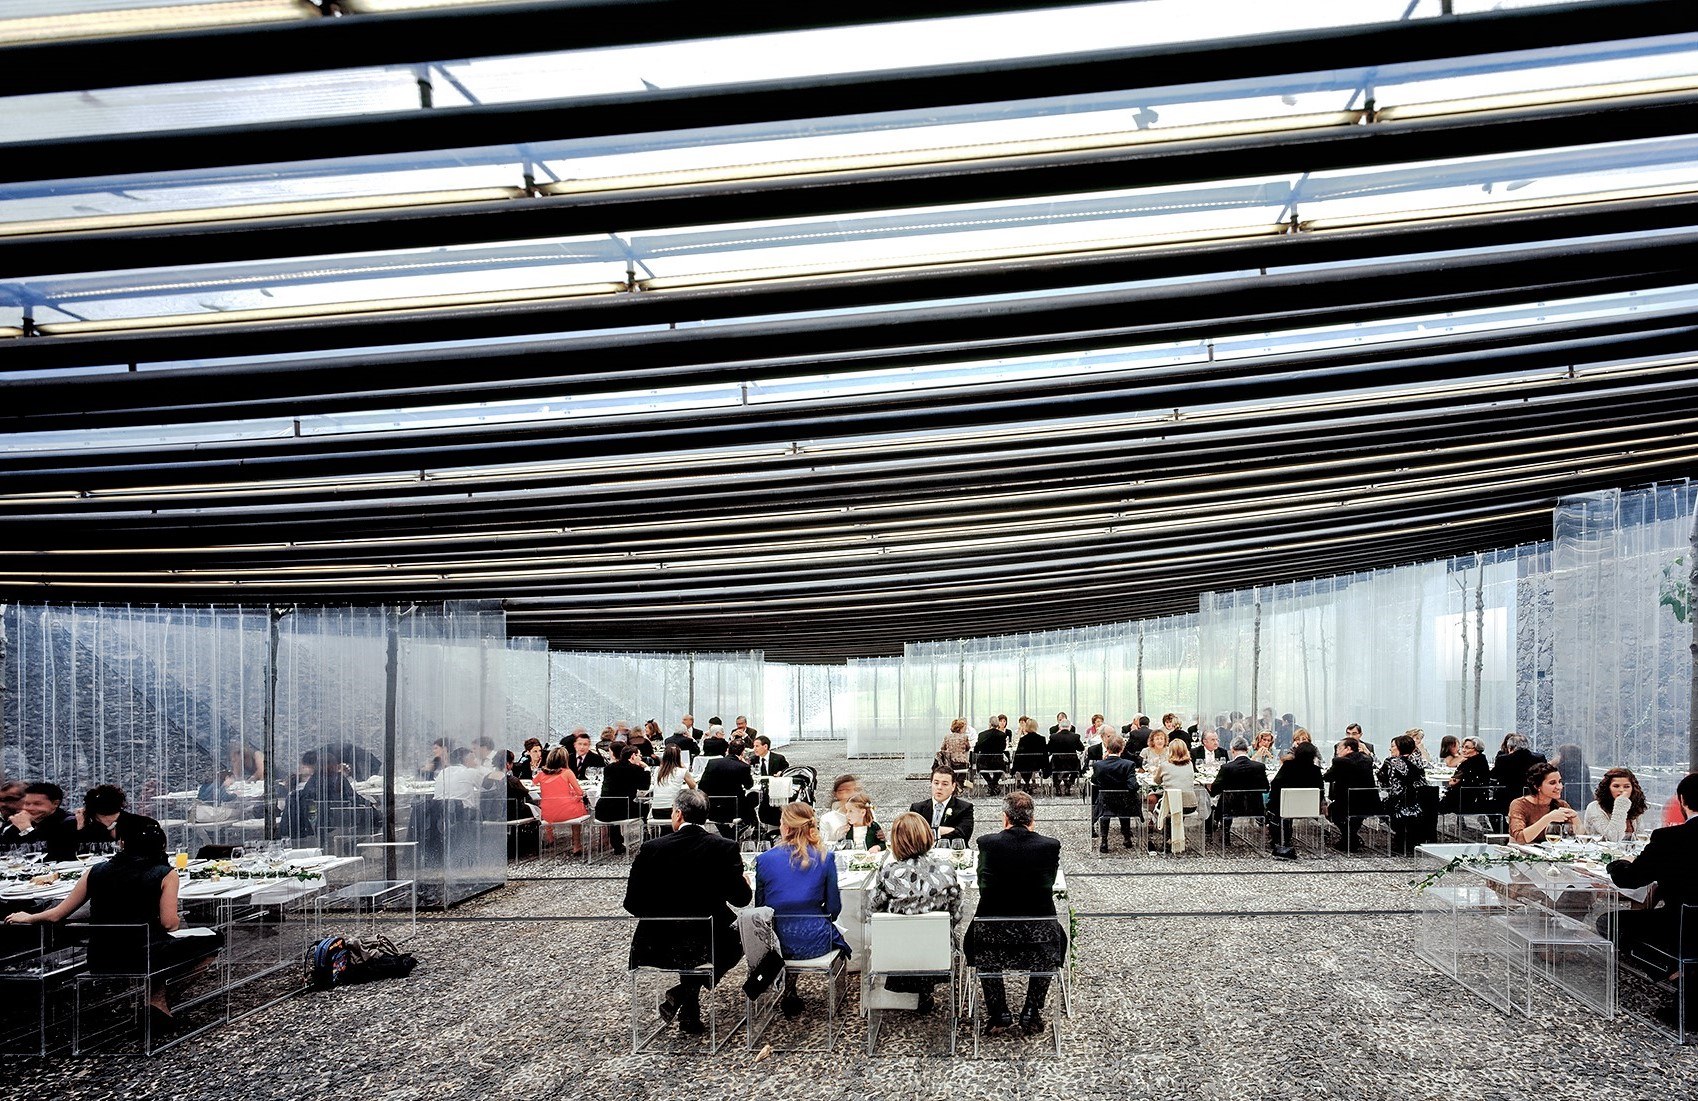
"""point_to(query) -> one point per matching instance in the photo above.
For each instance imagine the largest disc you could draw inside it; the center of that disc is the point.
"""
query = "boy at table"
(950, 817)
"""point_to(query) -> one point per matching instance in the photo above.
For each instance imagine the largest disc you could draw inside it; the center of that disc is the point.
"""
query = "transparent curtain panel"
(1622, 625)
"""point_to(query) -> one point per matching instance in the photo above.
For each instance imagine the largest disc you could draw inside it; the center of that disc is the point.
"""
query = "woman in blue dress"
(798, 879)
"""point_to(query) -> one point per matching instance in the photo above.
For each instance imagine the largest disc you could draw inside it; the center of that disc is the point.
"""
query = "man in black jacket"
(688, 873)
(1017, 870)
(1114, 782)
(949, 816)
(1137, 734)
(1352, 794)
(687, 738)
(42, 821)
(1238, 789)
(726, 784)
(767, 763)
(1670, 861)
(1065, 750)
(582, 758)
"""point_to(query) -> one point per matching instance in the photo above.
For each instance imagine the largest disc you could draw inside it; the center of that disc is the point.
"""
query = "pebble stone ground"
(1201, 976)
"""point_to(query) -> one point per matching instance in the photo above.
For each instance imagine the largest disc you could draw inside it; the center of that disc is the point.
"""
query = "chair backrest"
(778, 788)
(909, 942)
(1300, 803)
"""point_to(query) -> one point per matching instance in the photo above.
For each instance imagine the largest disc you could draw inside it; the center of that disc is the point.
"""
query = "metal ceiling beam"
(1047, 324)
(819, 96)
(847, 193)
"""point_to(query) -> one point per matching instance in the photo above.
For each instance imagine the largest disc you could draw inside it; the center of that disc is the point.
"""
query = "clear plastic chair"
(909, 946)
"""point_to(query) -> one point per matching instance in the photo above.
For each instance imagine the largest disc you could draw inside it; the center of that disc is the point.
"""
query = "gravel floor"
(1197, 974)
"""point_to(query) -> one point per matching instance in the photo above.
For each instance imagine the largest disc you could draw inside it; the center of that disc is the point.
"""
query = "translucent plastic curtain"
(154, 699)
(931, 699)
(875, 686)
(805, 702)
(526, 678)
(1623, 625)
(594, 689)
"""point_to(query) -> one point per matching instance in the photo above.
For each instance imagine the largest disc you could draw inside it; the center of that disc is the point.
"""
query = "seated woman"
(620, 782)
(1614, 815)
(1403, 778)
(1450, 751)
(670, 779)
(1300, 770)
(137, 887)
(834, 823)
(1174, 774)
(915, 881)
(798, 879)
(1262, 750)
(956, 746)
(1156, 752)
(562, 797)
(862, 833)
(1531, 815)
(1469, 790)
(530, 760)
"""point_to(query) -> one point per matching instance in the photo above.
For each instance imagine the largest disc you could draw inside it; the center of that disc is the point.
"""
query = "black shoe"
(791, 1005)
(668, 1010)
(1128, 840)
(998, 1022)
(927, 1002)
(690, 1023)
(1285, 852)
(1031, 1023)
(1103, 848)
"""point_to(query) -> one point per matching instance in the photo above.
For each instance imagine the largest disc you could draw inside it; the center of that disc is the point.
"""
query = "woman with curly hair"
(1614, 815)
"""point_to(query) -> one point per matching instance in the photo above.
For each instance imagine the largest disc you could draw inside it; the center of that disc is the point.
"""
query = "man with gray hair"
(1015, 927)
(1240, 790)
(690, 873)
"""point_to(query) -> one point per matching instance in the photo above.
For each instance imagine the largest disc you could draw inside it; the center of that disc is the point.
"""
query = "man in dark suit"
(950, 816)
(767, 763)
(726, 783)
(1352, 794)
(688, 873)
(1017, 870)
(1064, 749)
(1670, 861)
(1354, 730)
(687, 738)
(1206, 749)
(1137, 734)
(1114, 781)
(990, 752)
(1238, 789)
(582, 758)
(40, 820)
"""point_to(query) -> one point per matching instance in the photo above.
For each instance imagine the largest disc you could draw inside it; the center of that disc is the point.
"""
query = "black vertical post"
(268, 737)
(1692, 615)
(391, 724)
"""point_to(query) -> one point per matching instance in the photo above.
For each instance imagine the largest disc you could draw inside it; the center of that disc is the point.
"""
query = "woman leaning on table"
(1531, 815)
(915, 880)
(1614, 815)
(137, 887)
(1263, 750)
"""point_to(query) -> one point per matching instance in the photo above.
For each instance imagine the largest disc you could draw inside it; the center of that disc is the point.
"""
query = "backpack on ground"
(347, 961)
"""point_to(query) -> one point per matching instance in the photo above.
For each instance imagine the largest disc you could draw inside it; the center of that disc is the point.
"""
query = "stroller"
(804, 783)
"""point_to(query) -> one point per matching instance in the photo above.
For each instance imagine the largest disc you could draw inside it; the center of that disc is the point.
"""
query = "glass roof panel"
(988, 374)
(782, 148)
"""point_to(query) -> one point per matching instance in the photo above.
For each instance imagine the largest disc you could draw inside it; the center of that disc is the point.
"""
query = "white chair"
(758, 1012)
(914, 946)
(1304, 805)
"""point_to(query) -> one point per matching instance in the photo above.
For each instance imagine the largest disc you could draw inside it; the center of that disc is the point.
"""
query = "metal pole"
(391, 730)
(1692, 615)
(268, 735)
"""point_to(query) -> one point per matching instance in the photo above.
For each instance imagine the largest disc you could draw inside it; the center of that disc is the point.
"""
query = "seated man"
(1208, 750)
(1017, 870)
(40, 820)
(715, 744)
(726, 784)
(1239, 789)
(767, 763)
(1114, 779)
(951, 817)
(1352, 794)
(688, 873)
(1671, 862)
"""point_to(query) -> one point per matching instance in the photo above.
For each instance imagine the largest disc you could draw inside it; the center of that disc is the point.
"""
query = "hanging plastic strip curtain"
(595, 690)
(875, 687)
(317, 727)
(805, 703)
(1622, 571)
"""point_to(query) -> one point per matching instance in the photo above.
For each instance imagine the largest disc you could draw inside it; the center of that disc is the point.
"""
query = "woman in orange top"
(562, 797)
(1531, 815)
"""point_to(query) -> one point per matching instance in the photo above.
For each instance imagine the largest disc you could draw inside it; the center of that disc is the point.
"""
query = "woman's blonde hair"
(1300, 735)
(801, 831)
(910, 835)
(1028, 725)
(1178, 753)
(959, 726)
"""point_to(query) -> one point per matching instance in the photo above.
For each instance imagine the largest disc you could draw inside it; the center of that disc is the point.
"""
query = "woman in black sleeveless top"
(137, 887)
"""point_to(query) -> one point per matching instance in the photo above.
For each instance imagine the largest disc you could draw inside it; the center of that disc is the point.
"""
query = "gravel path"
(1237, 974)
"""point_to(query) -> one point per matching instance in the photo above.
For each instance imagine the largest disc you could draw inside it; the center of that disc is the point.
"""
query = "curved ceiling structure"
(678, 333)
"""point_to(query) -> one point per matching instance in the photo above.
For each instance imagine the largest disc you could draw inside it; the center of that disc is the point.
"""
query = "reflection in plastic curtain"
(594, 690)
(1621, 573)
